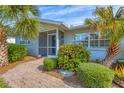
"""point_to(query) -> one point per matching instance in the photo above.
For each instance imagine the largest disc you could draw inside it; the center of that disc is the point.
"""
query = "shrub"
(49, 64)
(3, 84)
(71, 55)
(94, 75)
(16, 52)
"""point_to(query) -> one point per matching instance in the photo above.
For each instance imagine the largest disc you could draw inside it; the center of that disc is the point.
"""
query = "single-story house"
(55, 33)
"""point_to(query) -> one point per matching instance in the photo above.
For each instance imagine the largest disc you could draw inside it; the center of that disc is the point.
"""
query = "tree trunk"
(112, 52)
(3, 48)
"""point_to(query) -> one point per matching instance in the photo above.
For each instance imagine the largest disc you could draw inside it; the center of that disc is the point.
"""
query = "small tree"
(107, 23)
(18, 21)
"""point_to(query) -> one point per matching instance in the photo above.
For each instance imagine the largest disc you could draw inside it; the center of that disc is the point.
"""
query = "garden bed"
(12, 65)
(72, 81)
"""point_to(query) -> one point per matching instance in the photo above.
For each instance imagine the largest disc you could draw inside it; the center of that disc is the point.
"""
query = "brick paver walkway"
(29, 75)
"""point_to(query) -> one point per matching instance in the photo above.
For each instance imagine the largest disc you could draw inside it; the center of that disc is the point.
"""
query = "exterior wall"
(121, 55)
(33, 47)
(96, 53)
(69, 35)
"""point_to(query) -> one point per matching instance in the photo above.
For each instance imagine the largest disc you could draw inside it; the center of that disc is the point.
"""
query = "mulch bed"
(14, 64)
(72, 81)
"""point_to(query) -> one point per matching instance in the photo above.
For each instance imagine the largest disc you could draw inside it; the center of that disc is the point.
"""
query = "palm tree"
(107, 24)
(20, 21)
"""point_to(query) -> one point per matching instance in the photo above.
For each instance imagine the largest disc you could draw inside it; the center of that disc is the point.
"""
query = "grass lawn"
(3, 84)
(12, 65)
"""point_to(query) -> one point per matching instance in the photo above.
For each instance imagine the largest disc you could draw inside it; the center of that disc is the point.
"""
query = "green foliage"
(3, 84)
(20, 20)
(71, 55)
(31, 26)
(97, 61)
(120, 61)
(16, 52)
(49, 64)
(107, 24)
(94, 75)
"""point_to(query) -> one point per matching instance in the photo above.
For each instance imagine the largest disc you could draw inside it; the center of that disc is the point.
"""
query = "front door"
(52, 44)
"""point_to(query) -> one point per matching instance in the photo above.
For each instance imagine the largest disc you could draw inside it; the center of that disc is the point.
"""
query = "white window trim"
(21, 39)
(89, 45)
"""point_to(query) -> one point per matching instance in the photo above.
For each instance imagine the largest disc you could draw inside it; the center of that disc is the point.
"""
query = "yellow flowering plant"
(119, 70)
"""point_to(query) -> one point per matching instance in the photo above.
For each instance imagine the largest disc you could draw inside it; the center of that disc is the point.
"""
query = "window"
(81, 39)
(61, 38)
(92, 40)
(24, 42)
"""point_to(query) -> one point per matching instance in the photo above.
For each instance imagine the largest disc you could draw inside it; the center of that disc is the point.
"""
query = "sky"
(69, 14)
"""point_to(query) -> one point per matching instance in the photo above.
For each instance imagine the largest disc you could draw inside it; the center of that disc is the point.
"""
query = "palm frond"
(16, 12)
(27, 28)
(20, 20)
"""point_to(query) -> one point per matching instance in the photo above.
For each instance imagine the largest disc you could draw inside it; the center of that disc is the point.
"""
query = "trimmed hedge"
(49, 64)
(16, 52)
(71, 55)
(93, 75)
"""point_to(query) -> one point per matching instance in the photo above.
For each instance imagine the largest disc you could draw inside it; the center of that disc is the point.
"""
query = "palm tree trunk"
(3, 48)
(112, 52)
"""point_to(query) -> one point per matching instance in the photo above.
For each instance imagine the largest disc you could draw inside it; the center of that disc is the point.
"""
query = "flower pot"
(66, 73)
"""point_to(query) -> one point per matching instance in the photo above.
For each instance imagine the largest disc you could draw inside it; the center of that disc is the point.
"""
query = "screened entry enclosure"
(49, 42)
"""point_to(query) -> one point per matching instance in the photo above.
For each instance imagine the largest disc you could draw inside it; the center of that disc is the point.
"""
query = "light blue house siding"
(121, 55)
(96, 53)
(33, 46)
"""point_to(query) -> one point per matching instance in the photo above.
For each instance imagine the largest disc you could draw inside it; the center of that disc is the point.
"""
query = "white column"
(99, 39)
(47, 43)
(57, 41)
(89, 40)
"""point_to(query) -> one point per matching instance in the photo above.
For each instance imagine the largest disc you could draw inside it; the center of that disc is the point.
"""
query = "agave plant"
(107, 24)
(17, 20)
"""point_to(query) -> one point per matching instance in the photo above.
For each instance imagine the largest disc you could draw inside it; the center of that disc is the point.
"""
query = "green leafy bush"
(49, 64)
(71, 55)
(16, 52)
(95, 75)
(3, 84)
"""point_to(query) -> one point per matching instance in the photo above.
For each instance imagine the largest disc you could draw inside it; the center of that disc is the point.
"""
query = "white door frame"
(48, 47)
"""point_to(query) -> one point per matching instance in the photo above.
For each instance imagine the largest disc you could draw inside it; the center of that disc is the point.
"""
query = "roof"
(62, 24)
(77, 27)
(51, 21)
(59, 23)
(119, 12)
